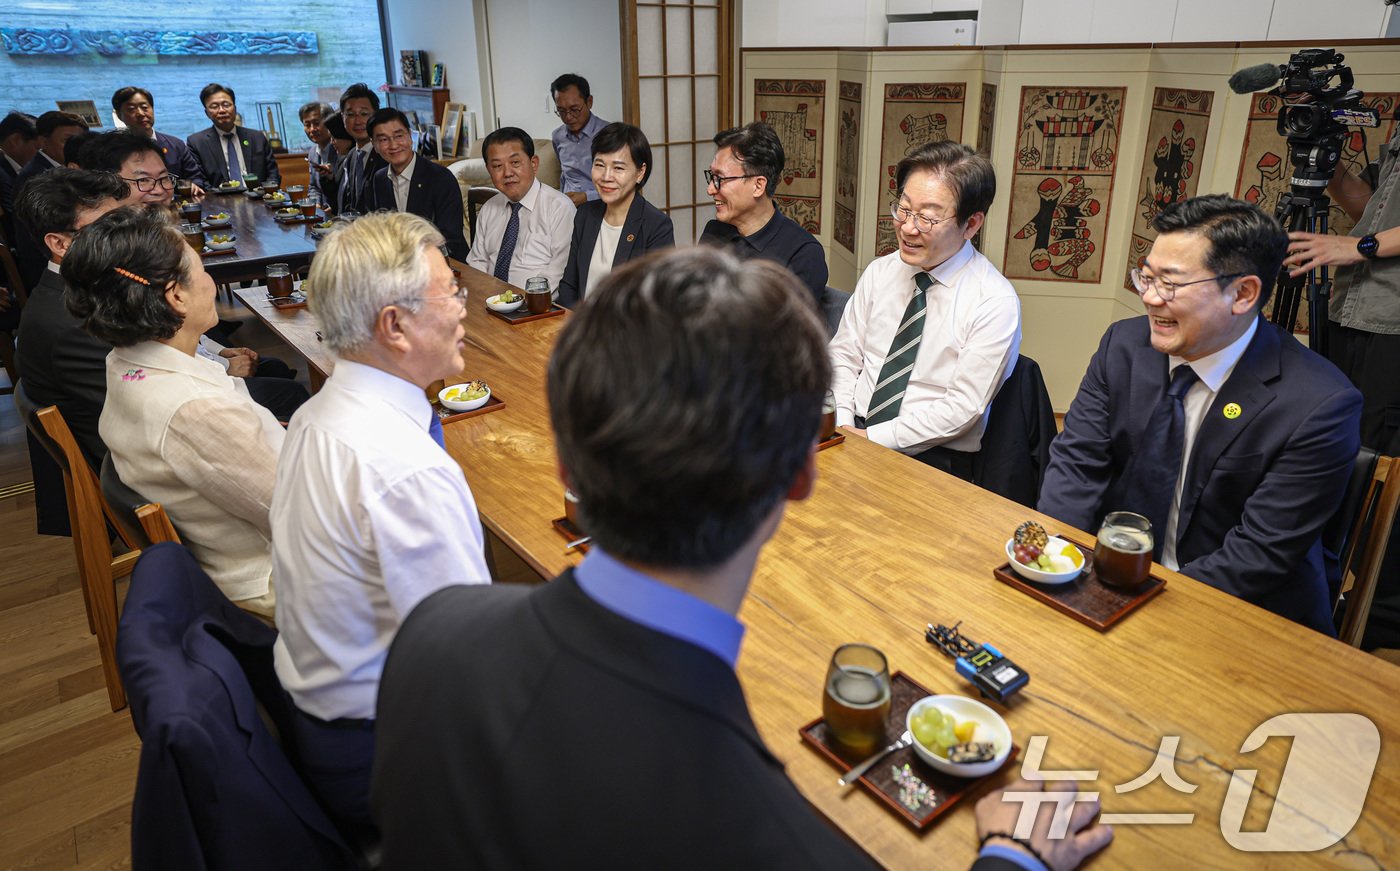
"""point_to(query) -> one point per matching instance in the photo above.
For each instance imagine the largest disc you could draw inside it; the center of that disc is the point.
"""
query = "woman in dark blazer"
(620, 225)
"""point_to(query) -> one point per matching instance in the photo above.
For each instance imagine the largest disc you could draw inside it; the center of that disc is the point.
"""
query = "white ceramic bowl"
(990, 727)
(215, 221)
(503, 307)
(230, 186)
(1040, 576)
(288, 212)
(219, 246)
(455, 405)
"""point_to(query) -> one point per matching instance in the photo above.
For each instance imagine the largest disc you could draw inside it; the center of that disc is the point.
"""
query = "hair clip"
(132, 275)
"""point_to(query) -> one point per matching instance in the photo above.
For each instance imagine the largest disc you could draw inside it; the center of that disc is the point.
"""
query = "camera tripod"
(1302, 210)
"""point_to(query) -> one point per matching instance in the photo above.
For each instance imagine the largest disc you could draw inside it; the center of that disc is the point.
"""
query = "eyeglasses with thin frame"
(146, 185)
(356, 114)
(571, 112)
(460, 296)
(923, 223)
(1165, 289)
(396, 136)
(718, 181)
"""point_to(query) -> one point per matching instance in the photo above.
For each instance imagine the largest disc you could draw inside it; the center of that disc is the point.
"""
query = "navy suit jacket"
(433, 193)
(1259, 487)
(9, 180)
(647, 228)
(208, 146)
(213, 788)
(365, 203)
(179, 160)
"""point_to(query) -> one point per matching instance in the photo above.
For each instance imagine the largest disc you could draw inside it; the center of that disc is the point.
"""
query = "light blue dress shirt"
(576, 156)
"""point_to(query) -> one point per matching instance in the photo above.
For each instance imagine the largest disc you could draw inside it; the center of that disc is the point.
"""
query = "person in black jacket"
(620, 225)
(598, 718)
(407, 184)
(226, 140)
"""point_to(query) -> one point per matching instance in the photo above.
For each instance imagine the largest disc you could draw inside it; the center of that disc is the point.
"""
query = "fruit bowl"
(224, 245)
(220, 220)
(494, 303)
(988, 726)
(1041, 575)
(447, 396)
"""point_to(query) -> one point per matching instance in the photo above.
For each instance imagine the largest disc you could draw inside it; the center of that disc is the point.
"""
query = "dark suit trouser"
(336, 759)
(956, 463)
(1370, 361)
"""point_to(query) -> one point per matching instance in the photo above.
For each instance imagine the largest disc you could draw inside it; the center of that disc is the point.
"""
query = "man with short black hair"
(573, 140)
(321, 157)
(1229, 435)
(227, 151)
(52, 129)
(18, 143)
(742, 178)
(351, 186)
(614, 685)
(526, 232)
(137, 159)
(933, 329)
(427, 189)
(136, 108)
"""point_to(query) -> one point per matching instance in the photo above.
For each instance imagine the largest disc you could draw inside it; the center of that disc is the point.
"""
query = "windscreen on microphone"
(1259, 77)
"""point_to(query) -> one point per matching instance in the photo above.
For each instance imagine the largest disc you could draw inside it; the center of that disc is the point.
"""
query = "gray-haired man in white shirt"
(371, 514)
(932, 329)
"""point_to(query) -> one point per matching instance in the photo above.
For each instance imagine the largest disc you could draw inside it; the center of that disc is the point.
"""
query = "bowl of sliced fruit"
(958, 735)
(222, 219)
(1038, 556)
(505, 302)
(464, 397)
(220, 241)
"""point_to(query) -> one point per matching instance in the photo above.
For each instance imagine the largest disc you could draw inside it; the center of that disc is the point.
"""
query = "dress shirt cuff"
(845, 417)
(997, 851)
(883, 434)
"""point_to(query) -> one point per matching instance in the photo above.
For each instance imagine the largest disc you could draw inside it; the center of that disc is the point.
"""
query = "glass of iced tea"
(1123, 553)
(856, 704)
(279, 280)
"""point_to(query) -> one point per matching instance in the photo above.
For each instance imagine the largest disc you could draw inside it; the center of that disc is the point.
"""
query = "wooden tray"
(285, 304)
(522, 315)
(447, 415)
(215, 189)
(208, 253)
(880, 781)
(831, 442)
(222, 228)
(299, 219)
(1086, 599)
(570, 532)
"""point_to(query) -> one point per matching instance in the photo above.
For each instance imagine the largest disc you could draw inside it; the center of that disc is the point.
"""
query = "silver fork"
(854, 774)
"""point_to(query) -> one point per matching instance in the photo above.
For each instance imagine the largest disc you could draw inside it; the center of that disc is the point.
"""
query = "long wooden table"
(887, 545)
(261, 239)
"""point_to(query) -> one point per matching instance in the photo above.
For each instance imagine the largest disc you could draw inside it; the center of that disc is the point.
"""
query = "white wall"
(446, 31)
(534, 41)
(813, 22)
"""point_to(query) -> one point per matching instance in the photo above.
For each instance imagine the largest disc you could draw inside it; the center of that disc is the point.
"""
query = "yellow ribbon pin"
(1232, 411)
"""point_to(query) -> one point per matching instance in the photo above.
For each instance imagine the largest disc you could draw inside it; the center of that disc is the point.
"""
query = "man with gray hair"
(371, 513)
(321, 156)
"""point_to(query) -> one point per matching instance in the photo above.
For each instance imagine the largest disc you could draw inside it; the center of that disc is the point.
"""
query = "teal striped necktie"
(899, 363)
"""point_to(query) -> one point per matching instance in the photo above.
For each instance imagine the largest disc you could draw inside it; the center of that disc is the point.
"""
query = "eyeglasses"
(221, 105)
(718, 180)
(359, 114)
(460, 296)
(923, 223)
(400, 136)
(1166, 290)
(571, 112)
(146, 185)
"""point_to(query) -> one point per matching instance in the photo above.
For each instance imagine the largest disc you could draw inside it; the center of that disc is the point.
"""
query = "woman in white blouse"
(620, 225)
(180, 430)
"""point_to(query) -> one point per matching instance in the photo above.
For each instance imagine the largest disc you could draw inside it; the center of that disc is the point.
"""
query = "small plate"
(213, 223)
(1040, 576)
(462, 405)
(990, 727)
(503, 307)
(220, 246)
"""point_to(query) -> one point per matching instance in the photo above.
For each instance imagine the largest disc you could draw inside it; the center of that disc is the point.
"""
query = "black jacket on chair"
(213, 788)
(647, 228)
(433, 193)
(1016, 444)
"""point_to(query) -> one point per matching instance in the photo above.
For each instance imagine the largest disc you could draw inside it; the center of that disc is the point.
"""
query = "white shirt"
(371, 517)
(209, 350)
(1214, 370)
(401, 183)
(604, 248)
(546, 230)
(49, 159)
(234, 172)
(971, 337)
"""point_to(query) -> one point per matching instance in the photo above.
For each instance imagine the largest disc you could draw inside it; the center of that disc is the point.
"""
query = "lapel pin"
(1232, 411)
(631, 236)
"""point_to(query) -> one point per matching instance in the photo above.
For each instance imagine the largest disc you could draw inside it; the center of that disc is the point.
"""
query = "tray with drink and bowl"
(535, 303)
(918, 753)
(1098, 586)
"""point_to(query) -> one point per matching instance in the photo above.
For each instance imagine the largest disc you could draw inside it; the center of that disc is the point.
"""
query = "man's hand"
(579, 197)
(196, 192)
(855, 431)
(1080, 841)
(242, 362)
(1307, 251)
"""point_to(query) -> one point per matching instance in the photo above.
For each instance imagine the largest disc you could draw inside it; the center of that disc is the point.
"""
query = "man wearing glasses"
(1230, 436)
(933, 329)
(226, 151)
(138, 160)
(136, 108)
(350, 188)
(742, 179)
(573, 140)
(428, 190)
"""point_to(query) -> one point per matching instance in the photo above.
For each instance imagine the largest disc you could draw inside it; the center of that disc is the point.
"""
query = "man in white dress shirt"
(932, 329)
(371, 514)
(527, 232)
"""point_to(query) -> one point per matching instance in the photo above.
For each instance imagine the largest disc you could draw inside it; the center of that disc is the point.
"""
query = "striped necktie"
(899, 362)
(508, 240)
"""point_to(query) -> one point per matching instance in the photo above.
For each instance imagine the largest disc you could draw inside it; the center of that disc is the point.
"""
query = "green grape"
(924, 731)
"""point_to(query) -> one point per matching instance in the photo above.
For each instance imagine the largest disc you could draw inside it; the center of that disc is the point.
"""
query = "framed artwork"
(794, 108)
(449, 136)
(915, 113)
(1176, 136)
(412, 117)
(85, 109)
(439, 76)
(847, 163)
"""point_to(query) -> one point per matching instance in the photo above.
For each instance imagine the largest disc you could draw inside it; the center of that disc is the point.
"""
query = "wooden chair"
(143, 522)
(1361, 564)
(98, 568)
(476, 198)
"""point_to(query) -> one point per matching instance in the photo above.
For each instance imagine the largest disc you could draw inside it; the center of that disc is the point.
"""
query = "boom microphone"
(1259, 77)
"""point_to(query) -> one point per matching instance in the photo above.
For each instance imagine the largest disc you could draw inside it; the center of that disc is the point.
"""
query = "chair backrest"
(1367, 548)
(833, 306)
(1016, 443)
(29, 413)
(123, 501)
(1337, 534)
(156, 524)
(476, 198)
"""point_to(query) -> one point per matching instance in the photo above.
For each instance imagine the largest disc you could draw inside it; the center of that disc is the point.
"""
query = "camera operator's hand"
(1307, 251)
(1083, 838)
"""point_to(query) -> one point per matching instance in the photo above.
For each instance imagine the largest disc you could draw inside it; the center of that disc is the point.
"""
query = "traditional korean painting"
(1176, 138)
(986, 117)
(847, 163)
(794, 109)
(1066, 153)
(915, 114)
(1265, 170)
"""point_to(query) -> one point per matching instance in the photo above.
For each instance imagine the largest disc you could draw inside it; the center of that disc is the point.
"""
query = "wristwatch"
(1368, 247)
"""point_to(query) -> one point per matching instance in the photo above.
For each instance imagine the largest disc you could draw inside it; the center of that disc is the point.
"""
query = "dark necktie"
(435, 430)
(899, 362)
(231, 152)
(1156, 464)
(350, 185)
(502, 270)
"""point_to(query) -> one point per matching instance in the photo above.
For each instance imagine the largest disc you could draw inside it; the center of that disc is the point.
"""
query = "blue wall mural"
(112, 43)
